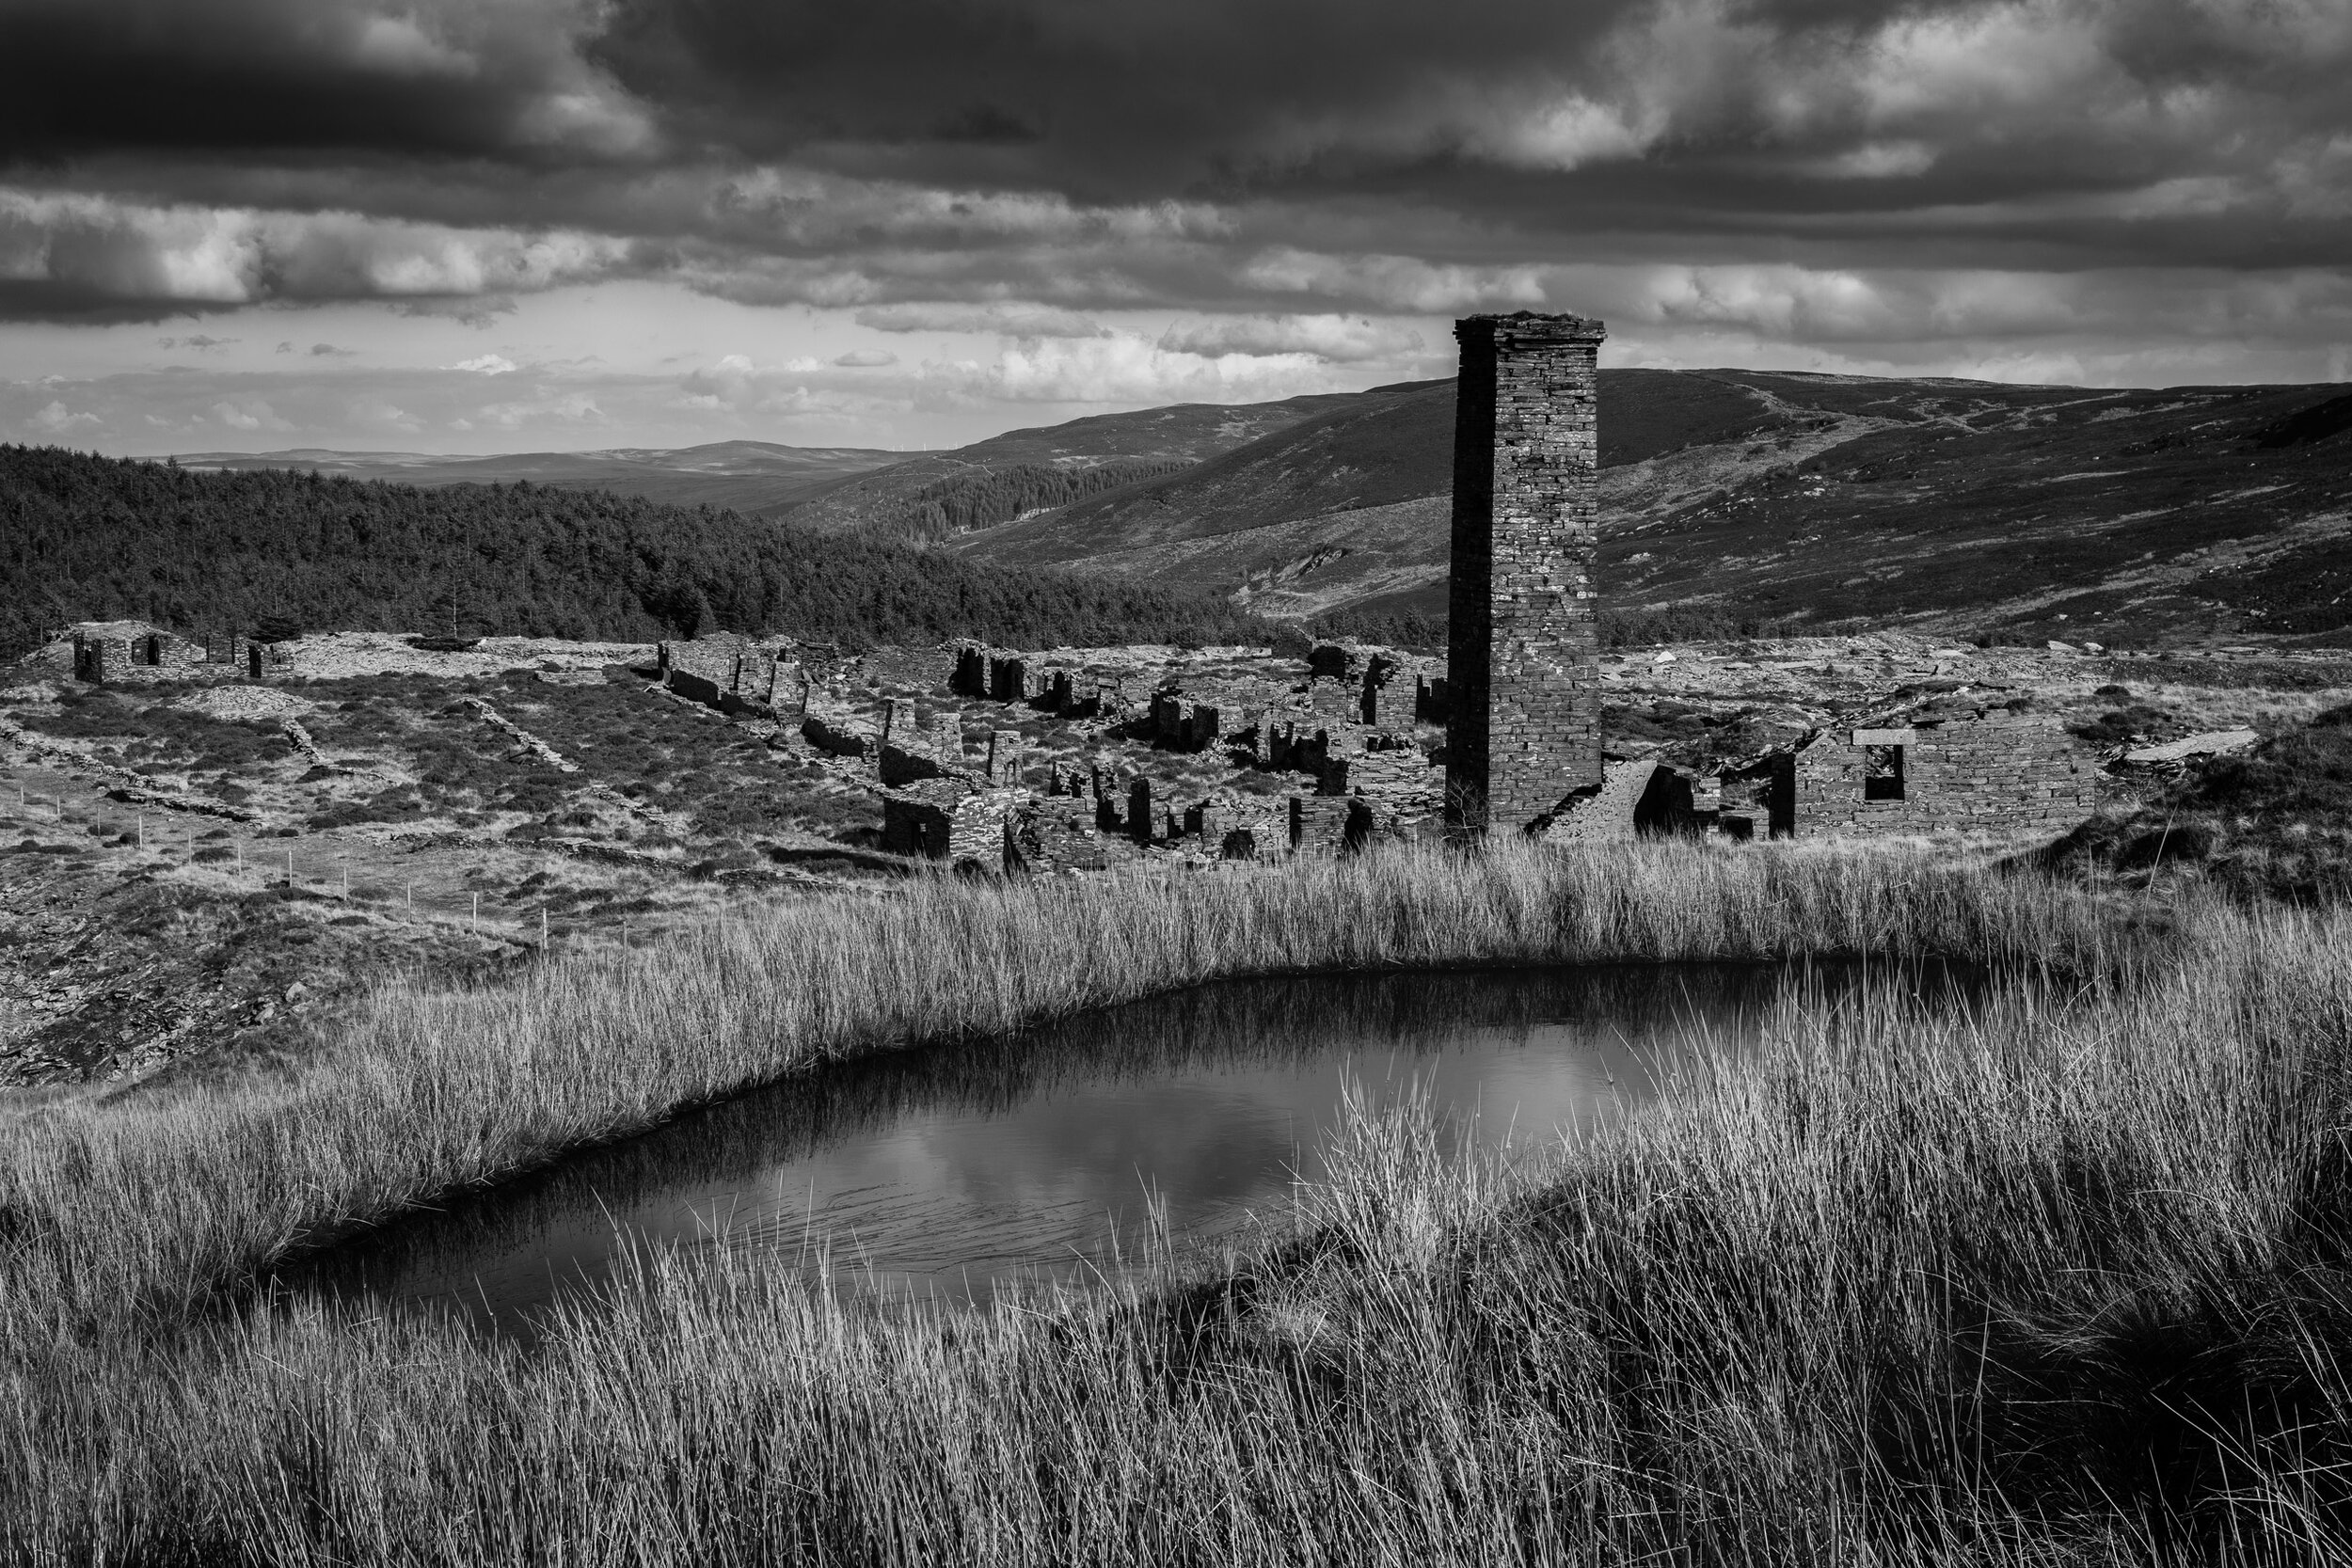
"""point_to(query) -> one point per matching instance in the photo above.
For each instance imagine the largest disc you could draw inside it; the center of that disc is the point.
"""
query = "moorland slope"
(1816, 499)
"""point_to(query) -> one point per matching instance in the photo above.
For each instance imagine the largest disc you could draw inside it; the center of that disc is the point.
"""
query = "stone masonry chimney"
(1523, 719)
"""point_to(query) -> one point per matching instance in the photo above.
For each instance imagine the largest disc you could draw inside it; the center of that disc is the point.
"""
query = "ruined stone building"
(1523, 677)
(103, 651)
(738, 676)
(1949, 766)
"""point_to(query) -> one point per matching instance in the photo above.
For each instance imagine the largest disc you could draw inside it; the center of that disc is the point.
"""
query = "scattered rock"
(2210, 743)
(234, 702)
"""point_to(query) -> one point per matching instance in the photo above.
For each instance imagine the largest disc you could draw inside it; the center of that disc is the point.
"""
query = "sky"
(531, 225)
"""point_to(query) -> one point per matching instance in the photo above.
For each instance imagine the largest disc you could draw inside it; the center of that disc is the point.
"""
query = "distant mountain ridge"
(746, 476)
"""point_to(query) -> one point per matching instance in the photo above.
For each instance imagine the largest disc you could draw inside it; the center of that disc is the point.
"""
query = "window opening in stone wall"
(1882, 773)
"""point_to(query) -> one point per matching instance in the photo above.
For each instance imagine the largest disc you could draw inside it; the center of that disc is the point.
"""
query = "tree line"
(984, 497)
(88, 538)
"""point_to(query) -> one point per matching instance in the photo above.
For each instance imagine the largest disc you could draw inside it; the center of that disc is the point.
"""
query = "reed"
(1875, 1293)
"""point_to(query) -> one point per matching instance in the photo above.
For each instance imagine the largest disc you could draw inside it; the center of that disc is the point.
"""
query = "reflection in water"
(952, 1167)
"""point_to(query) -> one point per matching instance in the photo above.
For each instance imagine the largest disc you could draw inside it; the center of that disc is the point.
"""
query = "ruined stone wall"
(1182, 724)
(838, 733)
(1011, 680)
(970, 676)
(1238, 828)
(1323, 826)
(1430, 700)
(910, 751)
(1523, 725)
(915, 823)
(1637, 797)
(1339, 702)
(951, 819)
(1059, 833)
(911, 669)
(1402, 788)
(133, 652)
(738, 676)
(2005, 771)
(980, 826)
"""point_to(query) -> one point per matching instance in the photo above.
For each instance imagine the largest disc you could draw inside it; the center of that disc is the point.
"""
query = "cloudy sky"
(504, 225)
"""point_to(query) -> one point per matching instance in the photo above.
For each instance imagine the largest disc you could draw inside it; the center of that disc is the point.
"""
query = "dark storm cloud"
(305, 78)
(1084, 155)
(1674, 111)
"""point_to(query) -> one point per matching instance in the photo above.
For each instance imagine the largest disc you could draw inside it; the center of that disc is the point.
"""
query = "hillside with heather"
(1756, 498)
(1130, 446)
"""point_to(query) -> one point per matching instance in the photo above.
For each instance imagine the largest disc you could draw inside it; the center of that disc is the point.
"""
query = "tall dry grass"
(1901, 1288)
(146, 1205)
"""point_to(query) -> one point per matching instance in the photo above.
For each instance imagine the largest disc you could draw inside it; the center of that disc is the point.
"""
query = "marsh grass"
(145, 1207)
(2057, 1280)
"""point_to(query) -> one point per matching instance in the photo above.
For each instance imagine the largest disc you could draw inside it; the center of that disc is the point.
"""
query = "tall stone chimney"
(1523, 721)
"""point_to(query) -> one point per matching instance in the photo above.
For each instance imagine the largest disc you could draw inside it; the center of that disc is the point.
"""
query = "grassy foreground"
(2061, 1285)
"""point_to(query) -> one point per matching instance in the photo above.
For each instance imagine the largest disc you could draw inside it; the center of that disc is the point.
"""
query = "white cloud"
(400, 46)
(377, 414)
(1891, 160)
(249, 414)
(486, 364)
(806, 209)
(1394, 282)
(866, 359)
(546, 408)
(601, 119)
(1134, 372)
(1341, 339)
(137, 253)
(56, 419)
(1566, 132)
(1982, 60)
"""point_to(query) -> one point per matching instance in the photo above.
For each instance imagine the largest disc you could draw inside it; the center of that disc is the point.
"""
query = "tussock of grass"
(2056, 1284)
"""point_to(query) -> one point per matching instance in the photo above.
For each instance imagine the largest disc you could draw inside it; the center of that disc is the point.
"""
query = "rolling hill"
(1729, 497)
(1156, 439)
(747, 476)
(839, 488)
(1817, 500)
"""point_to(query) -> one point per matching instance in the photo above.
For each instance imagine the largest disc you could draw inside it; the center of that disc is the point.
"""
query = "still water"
(955, 1170)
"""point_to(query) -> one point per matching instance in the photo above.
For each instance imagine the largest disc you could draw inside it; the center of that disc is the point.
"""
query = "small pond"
(951, 1171)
